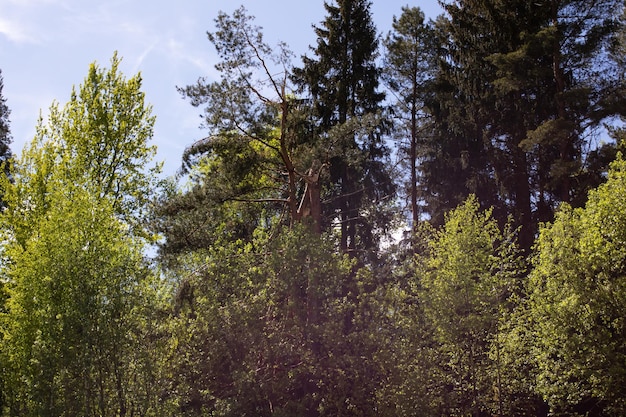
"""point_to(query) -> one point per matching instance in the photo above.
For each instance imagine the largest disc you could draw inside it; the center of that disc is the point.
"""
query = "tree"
(518, 104)
(259, 330)
(343, 82)
(255, 169)
(5, 155)
(455, 159)
(106, 127)
(264, 321)
(575, 305)
(73, 241)
(467, 277)
(615, 101)
(252, 109)
(5, 129)
(70, 323)
(409, 64)
(482, 115)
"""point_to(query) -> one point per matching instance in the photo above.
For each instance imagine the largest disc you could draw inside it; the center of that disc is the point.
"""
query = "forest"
(424, 222)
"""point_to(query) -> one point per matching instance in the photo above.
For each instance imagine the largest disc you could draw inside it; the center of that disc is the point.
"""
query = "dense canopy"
(428, 221)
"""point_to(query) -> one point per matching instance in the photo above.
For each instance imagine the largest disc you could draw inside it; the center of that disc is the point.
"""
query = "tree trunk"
(414, 206)
(565, 145)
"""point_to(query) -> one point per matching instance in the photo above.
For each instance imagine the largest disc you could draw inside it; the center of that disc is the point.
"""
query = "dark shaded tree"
(5, 126)
(521, 92)
(250, 339)
(454, 161)
(342, 80)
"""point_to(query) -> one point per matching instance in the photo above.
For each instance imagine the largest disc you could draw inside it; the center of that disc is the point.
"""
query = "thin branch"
(260, 200)
(253, 137)
(264, 65)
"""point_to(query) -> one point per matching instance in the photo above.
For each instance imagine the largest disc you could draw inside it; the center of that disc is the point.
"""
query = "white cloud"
(16, 32)
(23, 21)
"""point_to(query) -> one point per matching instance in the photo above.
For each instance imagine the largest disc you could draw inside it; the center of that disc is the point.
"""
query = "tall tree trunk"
(523, 201)
(565, 145)
(413, 156)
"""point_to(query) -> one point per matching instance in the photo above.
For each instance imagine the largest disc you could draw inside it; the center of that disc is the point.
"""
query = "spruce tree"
(343, 81)
(482, 115)
(5, 128)
(521, 92)
(456, 160)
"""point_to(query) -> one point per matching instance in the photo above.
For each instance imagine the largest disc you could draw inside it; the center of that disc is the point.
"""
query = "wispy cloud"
(22, 20)
(33, 3)
(183, 54)
(164, 40)
(142, 56)
(16, 32)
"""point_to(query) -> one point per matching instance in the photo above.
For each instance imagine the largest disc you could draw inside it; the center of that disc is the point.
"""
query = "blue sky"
(46, 47)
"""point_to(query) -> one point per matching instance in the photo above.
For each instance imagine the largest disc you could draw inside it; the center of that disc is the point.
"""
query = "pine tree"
(253, 170)
(408, 72)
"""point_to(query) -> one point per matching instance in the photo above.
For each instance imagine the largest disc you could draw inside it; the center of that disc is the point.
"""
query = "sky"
(46, 47)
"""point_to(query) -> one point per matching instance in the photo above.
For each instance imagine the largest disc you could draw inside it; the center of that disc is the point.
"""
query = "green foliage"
(261, 329)
(230, 193)
(277, 298)
(5, 156)
(77, 322)
(342, 80)
(99, 137)
(106, 126)
(410, 61)
(576, 304)
(467, 278)
(74, 285)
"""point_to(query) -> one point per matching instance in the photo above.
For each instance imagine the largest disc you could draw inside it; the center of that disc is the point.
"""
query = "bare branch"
(264, 65)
